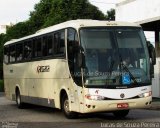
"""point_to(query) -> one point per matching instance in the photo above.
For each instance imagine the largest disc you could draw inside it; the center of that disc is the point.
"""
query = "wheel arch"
(17, 88)
(62, 93)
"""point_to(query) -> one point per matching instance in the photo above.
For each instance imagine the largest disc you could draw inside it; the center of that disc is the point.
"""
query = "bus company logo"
(122, 95)
(43, 68)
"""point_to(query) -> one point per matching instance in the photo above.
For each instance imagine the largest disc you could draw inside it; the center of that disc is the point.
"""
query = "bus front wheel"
(65, 108)
(18, 99)
(121, 113)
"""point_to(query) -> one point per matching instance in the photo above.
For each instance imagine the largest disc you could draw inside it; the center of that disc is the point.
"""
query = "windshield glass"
(115, 57)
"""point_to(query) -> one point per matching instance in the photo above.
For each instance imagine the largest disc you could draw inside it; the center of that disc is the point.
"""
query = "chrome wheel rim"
(66, 106)
(18, 99)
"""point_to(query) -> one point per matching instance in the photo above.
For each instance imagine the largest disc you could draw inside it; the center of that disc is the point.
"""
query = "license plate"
(122, 105)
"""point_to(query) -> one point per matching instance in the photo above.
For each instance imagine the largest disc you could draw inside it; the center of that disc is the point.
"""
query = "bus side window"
(70, 47)
(37, 45)
(12, 57)
(62, 43)
(72, 42)
(6, 54)
(19, 52)
(56, 42)
(47, 46)
(27, 50)
(59, 43)
(44, 46)
(50, 45)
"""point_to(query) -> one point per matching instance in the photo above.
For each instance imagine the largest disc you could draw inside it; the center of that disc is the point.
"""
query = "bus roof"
(74, 24)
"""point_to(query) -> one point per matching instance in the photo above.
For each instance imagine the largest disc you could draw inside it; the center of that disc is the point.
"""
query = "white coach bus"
(81, 66)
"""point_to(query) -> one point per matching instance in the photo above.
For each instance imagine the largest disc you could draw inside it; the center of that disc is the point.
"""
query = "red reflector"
(122, 105)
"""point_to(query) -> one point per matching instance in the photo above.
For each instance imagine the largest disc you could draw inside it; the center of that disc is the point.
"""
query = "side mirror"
(80, 60)
(78, 49)
(152, 53)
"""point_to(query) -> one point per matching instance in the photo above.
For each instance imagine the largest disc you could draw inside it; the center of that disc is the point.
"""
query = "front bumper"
(111, 105)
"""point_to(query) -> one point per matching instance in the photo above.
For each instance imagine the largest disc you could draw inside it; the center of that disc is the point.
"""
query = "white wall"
(137, 10)
(156, 79)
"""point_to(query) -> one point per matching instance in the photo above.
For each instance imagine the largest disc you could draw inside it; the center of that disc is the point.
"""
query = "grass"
(1, 86)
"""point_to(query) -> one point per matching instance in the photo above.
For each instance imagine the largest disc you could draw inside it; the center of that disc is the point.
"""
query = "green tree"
(52, 12)
(40, 14)
(2, 39)
(18, 30)
(110, 14)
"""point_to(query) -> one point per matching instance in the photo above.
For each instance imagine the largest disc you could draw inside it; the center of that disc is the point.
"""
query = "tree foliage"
(19, 30)
(72, 9)
(40, 14)
(51, 12)
(2, 40)
(110, 14)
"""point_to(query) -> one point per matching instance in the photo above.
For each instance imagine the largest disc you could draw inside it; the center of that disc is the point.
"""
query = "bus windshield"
(115, 57)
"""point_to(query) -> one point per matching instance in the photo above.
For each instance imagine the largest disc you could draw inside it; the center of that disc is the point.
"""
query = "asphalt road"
(42, 117)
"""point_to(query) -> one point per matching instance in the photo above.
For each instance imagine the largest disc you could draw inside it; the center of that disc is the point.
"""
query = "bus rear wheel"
(121, 113)
(18, 99)
(65, 108)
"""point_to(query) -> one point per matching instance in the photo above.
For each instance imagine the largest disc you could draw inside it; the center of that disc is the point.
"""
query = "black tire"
(65, 108)
(18, 100)
(121, 113)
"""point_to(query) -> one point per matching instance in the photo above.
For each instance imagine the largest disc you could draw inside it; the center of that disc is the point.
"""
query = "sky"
(14, 11)
(104, 5)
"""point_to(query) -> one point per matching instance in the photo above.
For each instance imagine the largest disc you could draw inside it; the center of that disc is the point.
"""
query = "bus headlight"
(94, 97)
(146, 94)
